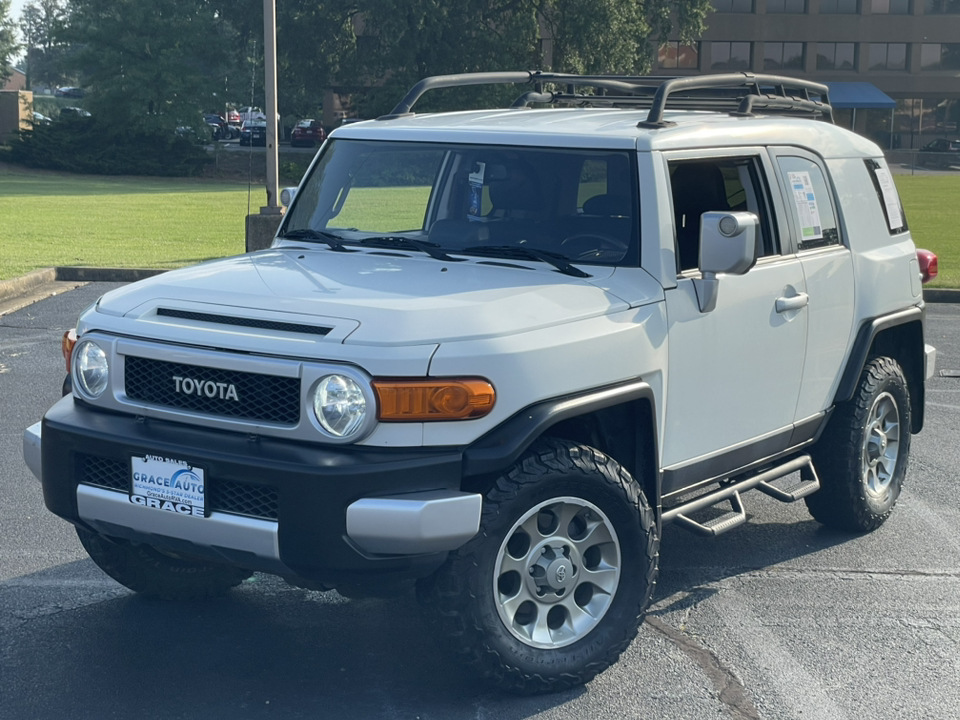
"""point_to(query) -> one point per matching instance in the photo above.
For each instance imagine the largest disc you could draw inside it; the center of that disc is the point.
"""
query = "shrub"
(84, 145)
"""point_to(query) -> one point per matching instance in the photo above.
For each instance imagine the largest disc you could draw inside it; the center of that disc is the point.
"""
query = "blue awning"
(858, 95)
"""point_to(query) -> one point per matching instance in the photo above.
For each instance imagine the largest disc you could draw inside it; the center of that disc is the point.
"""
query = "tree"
(617, 36)
(409, 39)
(150, 64)
(8, 41)
(40, 24)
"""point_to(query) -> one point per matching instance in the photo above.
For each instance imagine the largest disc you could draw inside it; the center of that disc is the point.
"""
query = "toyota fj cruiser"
(495, 351)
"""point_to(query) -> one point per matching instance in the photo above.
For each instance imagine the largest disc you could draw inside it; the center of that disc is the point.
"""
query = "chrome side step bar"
(809, 483)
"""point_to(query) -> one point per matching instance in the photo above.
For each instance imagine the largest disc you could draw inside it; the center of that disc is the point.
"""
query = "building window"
(733, 6)
(839, 7)
(786, 6)
(677, 55)
(783, 56)
(888, 56)
(730, 56)
(943, 7)
(940, 56)
(836, 56)
(890, 7)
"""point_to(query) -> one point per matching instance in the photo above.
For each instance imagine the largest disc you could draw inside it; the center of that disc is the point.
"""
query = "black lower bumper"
(304, 488)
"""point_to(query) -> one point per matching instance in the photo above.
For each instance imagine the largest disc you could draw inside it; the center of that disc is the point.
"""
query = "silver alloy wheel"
(881, 446)
(557, 572)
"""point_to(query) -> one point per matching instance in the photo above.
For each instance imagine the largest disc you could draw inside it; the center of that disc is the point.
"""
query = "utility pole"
(261, 228)
(270, 86)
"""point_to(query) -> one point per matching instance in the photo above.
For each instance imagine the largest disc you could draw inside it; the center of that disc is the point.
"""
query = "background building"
(869, 51)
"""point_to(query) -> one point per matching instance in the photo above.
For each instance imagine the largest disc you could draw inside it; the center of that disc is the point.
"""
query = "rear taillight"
(928, 265)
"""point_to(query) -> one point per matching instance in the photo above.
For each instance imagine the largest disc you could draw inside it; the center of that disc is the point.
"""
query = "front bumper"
(325, 514)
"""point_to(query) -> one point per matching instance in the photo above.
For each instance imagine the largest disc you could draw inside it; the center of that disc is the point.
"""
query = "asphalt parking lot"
(778, 619)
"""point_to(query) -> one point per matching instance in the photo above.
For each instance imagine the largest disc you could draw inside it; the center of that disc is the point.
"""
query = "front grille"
(259, 501)
(244, 322)
(265, 398)
(111, 474)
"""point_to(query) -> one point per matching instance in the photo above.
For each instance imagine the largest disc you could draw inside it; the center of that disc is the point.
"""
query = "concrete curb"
(941, 295)
(97, 274)
(25, 283)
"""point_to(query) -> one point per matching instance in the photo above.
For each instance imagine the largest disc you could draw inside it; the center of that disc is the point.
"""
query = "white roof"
(611, 128)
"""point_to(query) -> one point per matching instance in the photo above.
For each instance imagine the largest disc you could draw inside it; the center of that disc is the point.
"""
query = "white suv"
(495, 351)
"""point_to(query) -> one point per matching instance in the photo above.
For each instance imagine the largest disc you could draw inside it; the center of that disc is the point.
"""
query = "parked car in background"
(234, 121)
(308, 133)
(70, 92)
(221, 131)
(253, 132)
(73, 112)
(940, 153)
(41, 119)
(251, 113)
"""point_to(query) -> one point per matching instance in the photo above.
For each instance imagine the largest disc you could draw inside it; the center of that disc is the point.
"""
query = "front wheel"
(554, 586)
(862, 457)
(152, 573)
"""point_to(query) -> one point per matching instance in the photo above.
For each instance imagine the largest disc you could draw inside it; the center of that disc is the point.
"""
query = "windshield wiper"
(405, 243)
(521, 253)
(334, 241)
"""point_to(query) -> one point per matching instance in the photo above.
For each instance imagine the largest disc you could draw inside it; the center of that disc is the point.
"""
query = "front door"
(734, 373)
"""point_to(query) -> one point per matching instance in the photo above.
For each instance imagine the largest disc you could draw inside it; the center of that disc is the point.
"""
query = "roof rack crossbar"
(738, 93)
(624, 84)
(770, 102)
(743, 80)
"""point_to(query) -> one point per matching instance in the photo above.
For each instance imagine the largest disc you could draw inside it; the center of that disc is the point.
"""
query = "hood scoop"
(244, 322)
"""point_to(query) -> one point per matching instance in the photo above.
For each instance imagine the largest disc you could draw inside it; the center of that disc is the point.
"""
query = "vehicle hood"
(377, 297)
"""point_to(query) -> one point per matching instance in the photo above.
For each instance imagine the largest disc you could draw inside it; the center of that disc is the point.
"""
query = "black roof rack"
(735, 93)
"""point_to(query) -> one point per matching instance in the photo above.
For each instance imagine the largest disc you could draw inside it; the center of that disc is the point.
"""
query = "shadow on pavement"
(266, 650)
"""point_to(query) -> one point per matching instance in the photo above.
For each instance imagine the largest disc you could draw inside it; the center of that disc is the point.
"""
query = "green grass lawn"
(932, 205)
(49, 219)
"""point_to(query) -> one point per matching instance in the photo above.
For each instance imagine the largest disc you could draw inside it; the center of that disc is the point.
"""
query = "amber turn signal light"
(66, 346)
(427, 400)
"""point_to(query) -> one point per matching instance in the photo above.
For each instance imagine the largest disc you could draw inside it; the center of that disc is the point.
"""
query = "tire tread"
(449, 604)
(836, 456)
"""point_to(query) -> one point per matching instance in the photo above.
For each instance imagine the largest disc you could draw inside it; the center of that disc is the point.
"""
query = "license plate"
(167, 484)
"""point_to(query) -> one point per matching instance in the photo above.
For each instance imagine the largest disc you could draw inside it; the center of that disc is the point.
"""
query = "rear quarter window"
(887, 196)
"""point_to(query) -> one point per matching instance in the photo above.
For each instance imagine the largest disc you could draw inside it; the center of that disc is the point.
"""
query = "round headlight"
(339, 405)
(91, 368)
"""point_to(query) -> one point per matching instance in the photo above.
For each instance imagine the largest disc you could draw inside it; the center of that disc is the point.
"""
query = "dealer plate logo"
(168, 484)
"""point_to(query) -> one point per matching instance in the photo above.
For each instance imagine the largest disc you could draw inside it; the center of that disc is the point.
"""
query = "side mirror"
(728, 244)
(287, 195)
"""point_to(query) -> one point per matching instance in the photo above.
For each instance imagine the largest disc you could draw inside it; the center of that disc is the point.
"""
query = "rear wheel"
(554, 586)
(152, 573)
(862, 458)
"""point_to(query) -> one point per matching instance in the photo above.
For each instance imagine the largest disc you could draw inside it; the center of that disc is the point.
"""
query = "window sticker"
(475, 179)
(806, 202)
(890, 198)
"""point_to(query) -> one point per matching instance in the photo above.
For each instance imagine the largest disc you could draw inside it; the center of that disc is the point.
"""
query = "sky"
(15, 7)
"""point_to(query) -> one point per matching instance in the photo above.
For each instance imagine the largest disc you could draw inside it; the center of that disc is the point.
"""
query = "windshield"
(475, 199)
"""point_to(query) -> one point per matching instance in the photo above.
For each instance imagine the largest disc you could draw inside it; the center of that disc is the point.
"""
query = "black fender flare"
(860, 352)
(501, 447)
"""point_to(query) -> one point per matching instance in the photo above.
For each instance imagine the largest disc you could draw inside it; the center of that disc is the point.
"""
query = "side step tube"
(809, 483)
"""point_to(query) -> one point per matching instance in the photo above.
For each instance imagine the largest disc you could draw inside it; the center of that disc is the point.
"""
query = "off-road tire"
(154, 574)
(460, 601)
(844, 501)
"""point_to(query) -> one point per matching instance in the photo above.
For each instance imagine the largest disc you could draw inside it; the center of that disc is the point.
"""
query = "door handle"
(786, 304)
